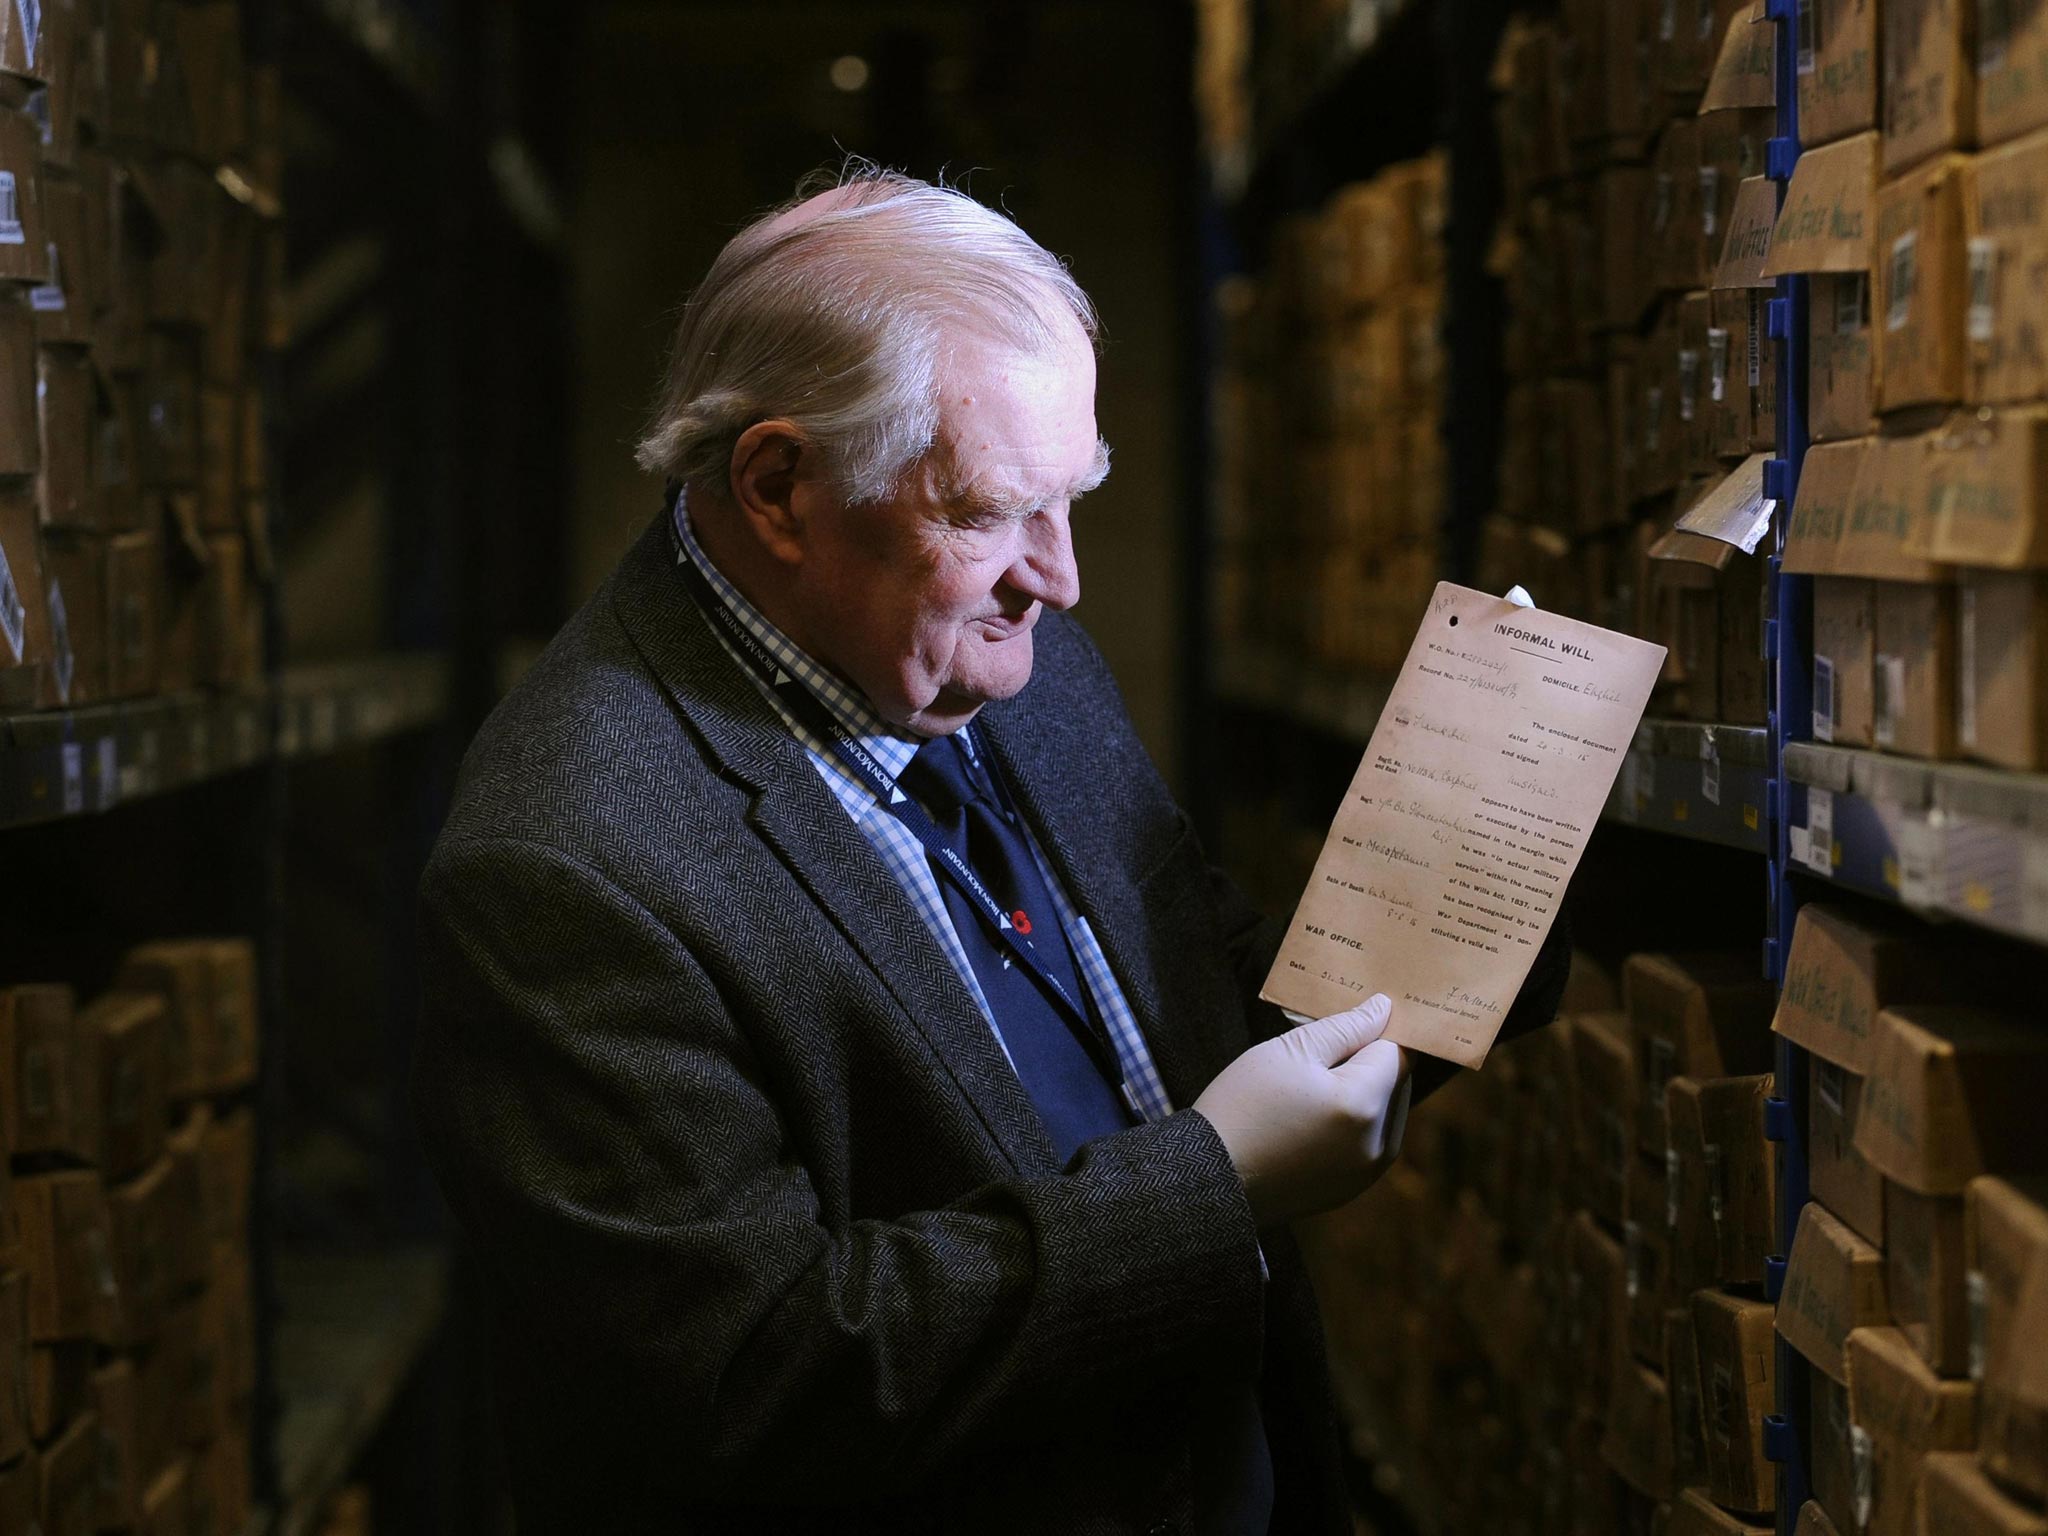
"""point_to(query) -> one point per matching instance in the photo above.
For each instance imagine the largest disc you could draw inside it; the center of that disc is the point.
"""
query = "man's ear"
(771, 464)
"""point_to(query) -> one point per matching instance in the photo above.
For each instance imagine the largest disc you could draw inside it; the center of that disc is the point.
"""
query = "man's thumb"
(1337, 1037)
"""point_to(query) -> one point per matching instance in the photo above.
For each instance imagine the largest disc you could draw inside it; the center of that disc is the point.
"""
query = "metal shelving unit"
(79, 762)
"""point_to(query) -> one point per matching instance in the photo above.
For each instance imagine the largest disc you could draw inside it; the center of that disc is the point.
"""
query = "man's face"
(927, 601)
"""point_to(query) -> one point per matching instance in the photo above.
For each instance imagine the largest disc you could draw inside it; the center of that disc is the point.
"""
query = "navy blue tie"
(1233, 1465)
(1074, 1097)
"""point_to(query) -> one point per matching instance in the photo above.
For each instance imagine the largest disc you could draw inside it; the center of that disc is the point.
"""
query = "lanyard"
(791, 693)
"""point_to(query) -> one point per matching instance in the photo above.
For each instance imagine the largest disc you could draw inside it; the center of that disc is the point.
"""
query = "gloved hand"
(1310, 1118)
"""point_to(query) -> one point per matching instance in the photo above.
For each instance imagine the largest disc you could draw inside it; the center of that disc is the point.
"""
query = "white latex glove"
(1311, 1117)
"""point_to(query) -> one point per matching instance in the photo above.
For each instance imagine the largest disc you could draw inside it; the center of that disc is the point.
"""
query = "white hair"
(838, 322)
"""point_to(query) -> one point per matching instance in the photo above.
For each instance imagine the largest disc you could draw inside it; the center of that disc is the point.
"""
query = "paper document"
(1451, 852)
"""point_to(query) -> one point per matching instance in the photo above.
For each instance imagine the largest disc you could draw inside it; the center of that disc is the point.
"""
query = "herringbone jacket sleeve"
(635, 1185)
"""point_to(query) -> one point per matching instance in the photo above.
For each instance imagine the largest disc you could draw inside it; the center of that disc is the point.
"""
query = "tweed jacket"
(772, 1238)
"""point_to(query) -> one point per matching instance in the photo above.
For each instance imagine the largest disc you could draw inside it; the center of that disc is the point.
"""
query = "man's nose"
(1045, 568)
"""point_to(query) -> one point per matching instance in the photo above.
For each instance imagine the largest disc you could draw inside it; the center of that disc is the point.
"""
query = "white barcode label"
(1710, 200)
(1977, 1295)
(1888, 697)
(1824, 706)
(1667, 21)
(1917, 845)
(10, 212)
(31, 14)
(1688, 382)
(1756, 337)
(1710, 769)
(1852, 304)
(1899, 309)
(1671, 1189)
(1966, 668)
(1862, 1473)
(13, 616)
(1983, 286)
(1717, 363)
(1809, 35)
(48, 298)
(72, 758)
(60, 644)
(1820, 831)
(1829, 1084)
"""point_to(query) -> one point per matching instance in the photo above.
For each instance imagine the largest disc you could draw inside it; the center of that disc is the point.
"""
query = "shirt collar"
(846, 703)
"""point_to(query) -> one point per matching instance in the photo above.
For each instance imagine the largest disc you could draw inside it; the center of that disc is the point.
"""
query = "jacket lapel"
(800, 819)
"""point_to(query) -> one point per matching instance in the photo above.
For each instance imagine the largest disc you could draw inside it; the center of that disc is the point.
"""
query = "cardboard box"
(1622, 201)
(117, 433)
(2014, 1443)
(2012, 71)
(200, 1388)
(1929, 101)
(1604, 1064)
(1682, 1386)
(1693, 1514)
(20, 436)
(14, 1347)
(1914, 675)
(167, 1502)
(1923, 286)
(1814, 1521)
(139, 1221)
(2006, 229)
(1718, 1180)
(1646, 1261)
(170, 438)
(2005, 1237)
(115, 1406)
(1957, 1499)
(1834, 1284)
(66, 1490)
(24, 243)
(1741, 394)
(1923, 1266)
(228, 1175)
(1693, 1015)
(59, 1385)
(1953, 1093)
(1836, 1172)
(54, 1111)
(1983, 483)
(1832, 1445)
(234, 1321)
(1745, 70)
(24, 602)
(75, 568)
(188, 1258)
(126, 1033)
(65, 1251)
(1637, 1444)
(134, 600)
(2002, 667)
(1744, 682)
(1687, 42)
(1899, 1412)
(1841, 355)
(1837, 68)
(1737, 1383)
(1859, 505)
(63, 303)
(1596, 1320)
(67, 397)
(1844, 659)
(209, 990)
(1844, 968)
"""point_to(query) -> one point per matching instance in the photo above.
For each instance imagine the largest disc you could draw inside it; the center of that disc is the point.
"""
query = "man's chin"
(958, 703)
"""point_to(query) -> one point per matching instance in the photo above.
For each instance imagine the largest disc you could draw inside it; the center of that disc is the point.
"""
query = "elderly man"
(837, 1048)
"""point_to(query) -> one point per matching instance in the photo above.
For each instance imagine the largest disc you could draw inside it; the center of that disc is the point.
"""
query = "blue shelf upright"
(1788, 642)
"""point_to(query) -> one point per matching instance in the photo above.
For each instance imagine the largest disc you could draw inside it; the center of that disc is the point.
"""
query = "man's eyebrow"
(980, 500)
(1097, 471)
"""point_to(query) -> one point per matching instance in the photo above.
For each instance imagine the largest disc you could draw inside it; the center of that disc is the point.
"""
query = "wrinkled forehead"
(1019, 424)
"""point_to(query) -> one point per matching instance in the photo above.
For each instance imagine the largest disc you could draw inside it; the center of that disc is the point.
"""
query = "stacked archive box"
(1641, 377)
(141, 265)
(1916, 1292)
(1920, 207)
(1548, 1315)
(127, 1328)
(1329, 426)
